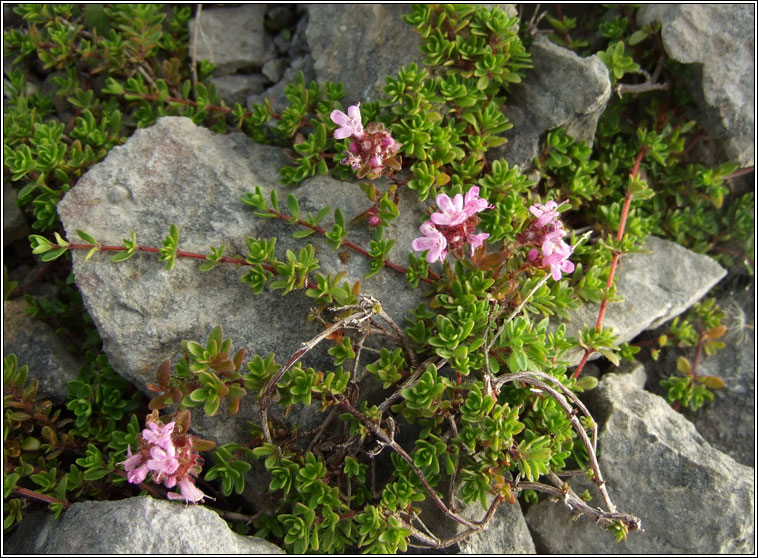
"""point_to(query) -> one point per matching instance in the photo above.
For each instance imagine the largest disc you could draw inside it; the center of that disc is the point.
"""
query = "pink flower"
(158, 434)
(472, 203)
(459, 209)
(352, 160)
(190, 492)
(373, 151)
(349, 124)
(558, 262)
(433, 241)
(453, 226)
(136, 471)
(162, 462)
(475, 240)
(451, 211)
(545, 213)
(547, 232)
(170, 457)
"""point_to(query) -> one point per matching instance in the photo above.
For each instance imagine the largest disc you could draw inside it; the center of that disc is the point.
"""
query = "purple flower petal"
(451, 211)
(433, 241)
(190, 493)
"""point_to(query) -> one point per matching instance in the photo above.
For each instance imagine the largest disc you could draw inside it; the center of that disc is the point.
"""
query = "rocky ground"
(689, 477)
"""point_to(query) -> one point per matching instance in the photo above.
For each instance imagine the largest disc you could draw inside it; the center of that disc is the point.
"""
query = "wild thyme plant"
(475, 375)
(59, 456)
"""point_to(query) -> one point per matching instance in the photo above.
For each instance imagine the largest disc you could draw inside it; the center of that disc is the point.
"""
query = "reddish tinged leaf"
(239, 356)
(717, 332)
(155, 387)
(225, 367)
(176, 394)
(183, 420)
(201, 444)
(164, 372)
(157, 403)
(712, 382)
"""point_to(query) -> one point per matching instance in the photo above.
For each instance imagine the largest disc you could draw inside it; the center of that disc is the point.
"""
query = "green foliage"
(443, 379)
(701, 328)
(46, 156)
(230, 469)
(63, 456)
(170, 246)
(205, 375)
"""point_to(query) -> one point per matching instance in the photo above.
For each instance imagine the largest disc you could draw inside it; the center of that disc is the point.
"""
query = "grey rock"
(139, 525)
(299, 45)
(237, 88)
(277, 92)
(35, 344)
(361, 45)
(562, 89)
(690, 497)
(719, 40)
(283, 41)
(14, 223)
(176, 172)
(274, 69)
(232, 38)
(506, 532)
(657, 285)
(727, 422)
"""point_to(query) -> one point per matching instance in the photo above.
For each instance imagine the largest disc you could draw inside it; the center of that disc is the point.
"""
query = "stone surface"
(35, 344)
(719, 40)
(232, 38)
(238, 87)
(361, 46)
(274, 69)
(277, 92)
(727, 422)
(562, 89)
(139, 525)
(690, 497)
(657, 285)
(176, 172)
(506, 533)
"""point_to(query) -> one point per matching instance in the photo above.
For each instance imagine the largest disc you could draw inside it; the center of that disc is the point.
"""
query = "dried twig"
(531, 377)
(364, 310)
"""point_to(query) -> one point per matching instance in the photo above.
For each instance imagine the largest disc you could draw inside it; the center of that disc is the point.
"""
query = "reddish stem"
(351, 245)
(696, 360)
(31, 494)
(179, 253)
(614, 261)
(566, 37)
(227, 110)
(740, 172)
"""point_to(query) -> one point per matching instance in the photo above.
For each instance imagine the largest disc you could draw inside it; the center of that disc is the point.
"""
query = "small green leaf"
(293, 206)
(86, 236)
(305, 233)
(683, 365)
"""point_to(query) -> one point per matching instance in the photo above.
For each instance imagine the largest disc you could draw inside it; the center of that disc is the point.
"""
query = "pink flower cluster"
(546, 232)
(452, 226)
(169, 456)
(371, 150)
